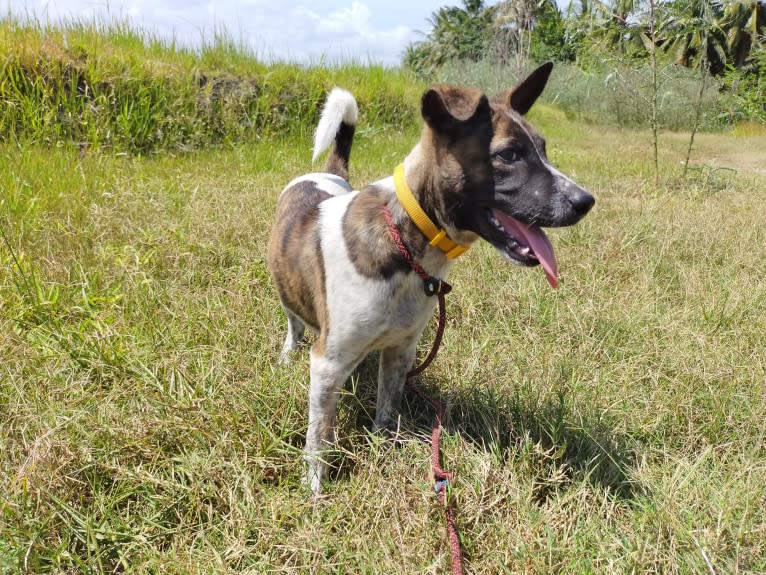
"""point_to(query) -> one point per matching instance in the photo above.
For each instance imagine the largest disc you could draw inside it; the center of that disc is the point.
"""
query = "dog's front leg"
(328, 374)
(395, 362)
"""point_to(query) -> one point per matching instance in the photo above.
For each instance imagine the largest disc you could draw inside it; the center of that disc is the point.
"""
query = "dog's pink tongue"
(537, 240)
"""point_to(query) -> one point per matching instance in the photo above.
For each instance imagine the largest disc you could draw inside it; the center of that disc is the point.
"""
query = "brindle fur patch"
(294, 253)
(368, 240)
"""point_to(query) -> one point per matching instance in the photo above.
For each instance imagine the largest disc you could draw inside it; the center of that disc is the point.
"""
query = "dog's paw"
(288, 351)
(284, 357)
(316, 473)
(388, 428)
(313, 481)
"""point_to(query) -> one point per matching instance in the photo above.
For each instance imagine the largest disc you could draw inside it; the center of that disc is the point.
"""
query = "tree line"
(714, 36)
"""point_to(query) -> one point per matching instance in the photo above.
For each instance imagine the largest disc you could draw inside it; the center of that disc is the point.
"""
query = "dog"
(478, 171)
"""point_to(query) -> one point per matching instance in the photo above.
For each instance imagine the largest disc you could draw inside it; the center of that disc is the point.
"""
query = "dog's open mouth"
(525, 244)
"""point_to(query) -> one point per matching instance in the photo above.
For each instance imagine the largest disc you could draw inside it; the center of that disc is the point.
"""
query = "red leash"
(442, 478)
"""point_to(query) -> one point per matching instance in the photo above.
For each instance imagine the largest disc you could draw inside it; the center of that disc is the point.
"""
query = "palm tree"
(745, 25)
(690, 30)
(713, 34)
(456, 34)
(613, 24)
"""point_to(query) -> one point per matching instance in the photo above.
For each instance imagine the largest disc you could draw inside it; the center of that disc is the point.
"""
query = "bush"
(746, 91)
(615, 94)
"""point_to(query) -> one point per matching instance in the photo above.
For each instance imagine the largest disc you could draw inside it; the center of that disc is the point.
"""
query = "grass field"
(615, 425)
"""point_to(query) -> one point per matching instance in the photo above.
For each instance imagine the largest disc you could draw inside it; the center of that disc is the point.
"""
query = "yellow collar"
(436, 237)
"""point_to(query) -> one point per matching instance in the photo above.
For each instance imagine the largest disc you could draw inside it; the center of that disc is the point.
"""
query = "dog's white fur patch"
(330, 183)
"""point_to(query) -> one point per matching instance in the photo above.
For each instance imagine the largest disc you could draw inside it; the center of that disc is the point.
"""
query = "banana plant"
(745, 25)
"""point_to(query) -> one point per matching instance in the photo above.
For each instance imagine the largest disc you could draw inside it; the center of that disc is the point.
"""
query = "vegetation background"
(615, 425)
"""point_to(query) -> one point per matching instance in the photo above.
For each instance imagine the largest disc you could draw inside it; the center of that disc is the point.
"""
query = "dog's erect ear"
(524, 94)
(445, 106)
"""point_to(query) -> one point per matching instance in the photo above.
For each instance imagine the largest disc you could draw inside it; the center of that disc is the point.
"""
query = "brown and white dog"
(479, 171)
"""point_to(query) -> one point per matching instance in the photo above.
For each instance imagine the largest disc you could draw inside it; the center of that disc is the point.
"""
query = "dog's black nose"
(581, 201)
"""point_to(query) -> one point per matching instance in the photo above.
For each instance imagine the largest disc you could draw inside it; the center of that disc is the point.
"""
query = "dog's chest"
(366, 312)
(378, 314)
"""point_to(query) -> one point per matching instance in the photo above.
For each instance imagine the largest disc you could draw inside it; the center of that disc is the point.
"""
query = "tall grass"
(615, 425)
(109, 85)
(614, 94)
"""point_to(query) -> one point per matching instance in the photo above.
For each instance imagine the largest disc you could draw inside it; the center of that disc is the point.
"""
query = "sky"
(305, 31)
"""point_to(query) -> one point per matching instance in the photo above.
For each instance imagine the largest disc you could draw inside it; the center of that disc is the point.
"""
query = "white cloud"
(306, 33)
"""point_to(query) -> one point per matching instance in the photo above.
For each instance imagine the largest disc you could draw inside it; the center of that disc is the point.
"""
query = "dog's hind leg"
(395, 362)
(295, 332)
(328, 374)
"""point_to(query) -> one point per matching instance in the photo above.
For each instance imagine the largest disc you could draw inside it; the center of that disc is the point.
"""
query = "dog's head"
(529, 192)
(484, 172)
(528, 187)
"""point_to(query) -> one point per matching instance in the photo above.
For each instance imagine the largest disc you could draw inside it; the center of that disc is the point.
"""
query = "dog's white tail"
(339, 109)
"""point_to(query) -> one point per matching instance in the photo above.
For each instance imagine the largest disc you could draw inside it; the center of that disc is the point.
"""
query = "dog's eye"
(509, 155)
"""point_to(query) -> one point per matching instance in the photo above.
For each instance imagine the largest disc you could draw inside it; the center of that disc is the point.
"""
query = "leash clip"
(433, 286)
(441, 485)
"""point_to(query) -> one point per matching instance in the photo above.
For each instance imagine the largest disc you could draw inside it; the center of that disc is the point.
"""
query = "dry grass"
(615, 425)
